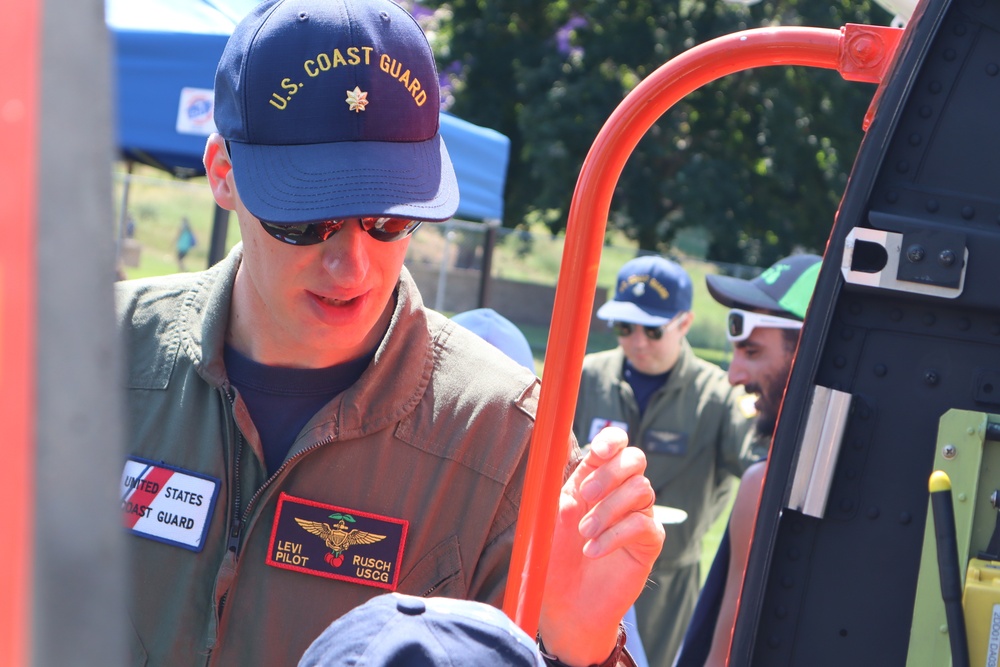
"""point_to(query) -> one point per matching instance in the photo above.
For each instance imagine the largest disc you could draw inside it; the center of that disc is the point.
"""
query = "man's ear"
(219, 171)
(687, 319)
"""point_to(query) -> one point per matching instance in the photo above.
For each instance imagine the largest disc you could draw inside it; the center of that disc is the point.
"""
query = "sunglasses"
(386, 230)
(741, 324)
(625, 329)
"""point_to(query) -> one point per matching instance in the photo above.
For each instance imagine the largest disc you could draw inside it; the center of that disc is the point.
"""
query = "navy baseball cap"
(330, 109)
(784, 288)
(651, 290)
(395, 630)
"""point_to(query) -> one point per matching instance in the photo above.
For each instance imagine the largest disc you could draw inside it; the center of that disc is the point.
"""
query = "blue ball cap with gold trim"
(650, 291)
(395, 630)
(331, 110)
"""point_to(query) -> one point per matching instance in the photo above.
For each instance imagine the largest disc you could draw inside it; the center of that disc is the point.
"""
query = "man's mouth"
(755, 390)
(330, 301)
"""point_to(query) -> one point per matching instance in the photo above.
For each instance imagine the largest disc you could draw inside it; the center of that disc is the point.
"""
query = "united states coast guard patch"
(167, 504)
(336, 542)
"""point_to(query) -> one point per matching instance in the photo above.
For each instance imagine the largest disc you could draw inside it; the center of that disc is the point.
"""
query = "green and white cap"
(783, 289)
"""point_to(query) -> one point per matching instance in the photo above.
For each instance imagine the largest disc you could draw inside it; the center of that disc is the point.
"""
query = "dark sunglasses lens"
(654, 333)
(735, 324)
(311, 233)
(302, 234)
(623, 329)
(388, 230)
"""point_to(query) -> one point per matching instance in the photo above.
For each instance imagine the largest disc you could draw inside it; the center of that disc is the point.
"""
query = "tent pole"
(443, 268)
(485, 275)
(123, 214)
(220, 225)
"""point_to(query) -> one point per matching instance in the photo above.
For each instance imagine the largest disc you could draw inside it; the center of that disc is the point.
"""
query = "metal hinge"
(906, 263)
(818, 451)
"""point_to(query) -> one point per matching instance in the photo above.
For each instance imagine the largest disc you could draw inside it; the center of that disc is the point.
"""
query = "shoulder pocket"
(665, 442)
(438, 573)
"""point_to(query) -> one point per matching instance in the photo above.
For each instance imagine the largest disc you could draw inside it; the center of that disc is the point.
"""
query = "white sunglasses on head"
(741, 323)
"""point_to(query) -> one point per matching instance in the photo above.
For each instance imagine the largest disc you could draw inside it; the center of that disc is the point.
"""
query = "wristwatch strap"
(619, 655)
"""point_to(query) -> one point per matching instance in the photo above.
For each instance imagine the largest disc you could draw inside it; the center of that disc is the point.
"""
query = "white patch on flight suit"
(167, 504)
(599, 424)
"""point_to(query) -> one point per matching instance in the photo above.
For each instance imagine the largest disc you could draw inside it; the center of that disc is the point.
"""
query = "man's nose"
(738, 374)
(637, 338)
(345, 254)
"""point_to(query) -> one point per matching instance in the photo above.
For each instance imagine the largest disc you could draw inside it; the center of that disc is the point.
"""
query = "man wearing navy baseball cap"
(303, 434)
(682, 413)
(764, 322)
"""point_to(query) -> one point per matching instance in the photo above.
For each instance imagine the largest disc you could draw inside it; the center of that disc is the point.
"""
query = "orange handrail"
(861, 53)
(19, 77)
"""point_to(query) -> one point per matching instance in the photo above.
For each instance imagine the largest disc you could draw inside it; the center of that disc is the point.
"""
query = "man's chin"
(765, 424)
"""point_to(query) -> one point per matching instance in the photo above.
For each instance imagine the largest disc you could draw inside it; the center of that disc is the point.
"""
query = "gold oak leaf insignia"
(357, 99)
(337, 537)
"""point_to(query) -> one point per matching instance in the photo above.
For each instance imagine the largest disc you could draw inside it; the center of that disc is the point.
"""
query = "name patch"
(665, 442)
(167, 504)
(336, 542)
(599, 424)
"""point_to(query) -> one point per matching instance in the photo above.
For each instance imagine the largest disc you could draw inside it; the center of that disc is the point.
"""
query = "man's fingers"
(617, 498)
(600, 476)
(608, 442)
(637, 532)
(634, 494)
(623, 518)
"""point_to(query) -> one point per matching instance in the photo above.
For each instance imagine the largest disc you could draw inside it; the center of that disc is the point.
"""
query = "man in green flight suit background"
(683, 413)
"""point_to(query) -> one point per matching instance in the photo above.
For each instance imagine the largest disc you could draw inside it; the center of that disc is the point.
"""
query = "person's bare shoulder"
(747, 498)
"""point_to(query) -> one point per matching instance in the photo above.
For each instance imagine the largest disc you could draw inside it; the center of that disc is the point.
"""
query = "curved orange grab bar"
(567, 342)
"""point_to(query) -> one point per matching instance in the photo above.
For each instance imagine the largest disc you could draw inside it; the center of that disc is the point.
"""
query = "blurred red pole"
(567, 342)
(19, 86)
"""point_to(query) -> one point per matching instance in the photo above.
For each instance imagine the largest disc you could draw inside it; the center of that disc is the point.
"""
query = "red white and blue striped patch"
(167, 504)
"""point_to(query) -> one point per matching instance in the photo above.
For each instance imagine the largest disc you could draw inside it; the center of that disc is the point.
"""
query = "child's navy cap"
(401, 630)
(499, 332)
(651, 290)
(331, 110)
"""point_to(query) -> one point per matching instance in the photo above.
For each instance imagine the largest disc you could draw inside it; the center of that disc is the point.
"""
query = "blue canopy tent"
(165, 53)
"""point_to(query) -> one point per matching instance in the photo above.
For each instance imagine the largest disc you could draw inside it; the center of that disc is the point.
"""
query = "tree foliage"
(758, 159)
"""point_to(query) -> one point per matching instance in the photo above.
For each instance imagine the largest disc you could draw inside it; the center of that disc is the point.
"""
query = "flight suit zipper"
(240, 518)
